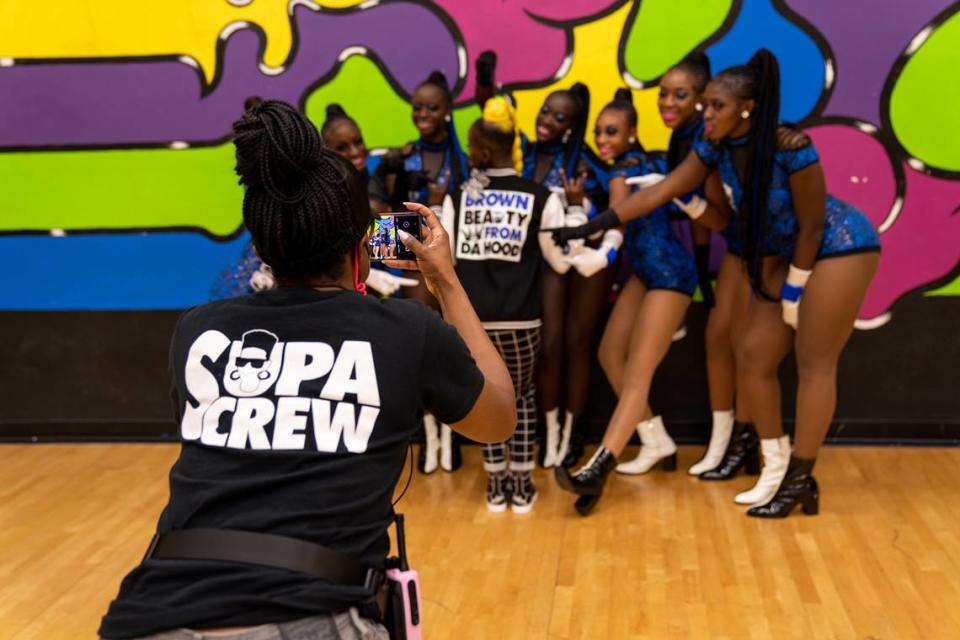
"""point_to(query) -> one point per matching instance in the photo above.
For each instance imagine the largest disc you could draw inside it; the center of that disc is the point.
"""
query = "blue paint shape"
(802, 67)
(112, 272)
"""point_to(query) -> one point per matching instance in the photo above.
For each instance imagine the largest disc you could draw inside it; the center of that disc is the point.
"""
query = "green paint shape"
(924, 104)
(664, 31)
(384, 117)
(952, 289)
(121, 189)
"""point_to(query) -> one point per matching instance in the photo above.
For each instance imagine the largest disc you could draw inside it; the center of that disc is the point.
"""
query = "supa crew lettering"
(263, 384)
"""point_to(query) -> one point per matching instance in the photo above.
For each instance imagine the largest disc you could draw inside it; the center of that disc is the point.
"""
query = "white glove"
(262, 279)
(386, 283)
(694, 208)
(646, 181)
(574, 218)
(791, 293)
(588, 261)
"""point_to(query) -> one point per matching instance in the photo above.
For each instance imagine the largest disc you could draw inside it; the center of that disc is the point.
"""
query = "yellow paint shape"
(108, 28)
(595, 64)
(340, 4)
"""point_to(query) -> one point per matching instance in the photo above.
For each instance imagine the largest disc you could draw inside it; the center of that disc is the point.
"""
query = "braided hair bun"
(305, 206)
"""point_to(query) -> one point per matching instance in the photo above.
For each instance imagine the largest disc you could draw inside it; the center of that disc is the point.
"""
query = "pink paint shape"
(857, 169)
(923, 244)
(530, 50)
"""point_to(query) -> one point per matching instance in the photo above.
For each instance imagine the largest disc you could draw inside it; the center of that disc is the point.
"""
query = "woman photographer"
(296, 409)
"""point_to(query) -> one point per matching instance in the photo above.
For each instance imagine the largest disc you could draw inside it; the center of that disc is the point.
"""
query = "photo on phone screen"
(384, 243)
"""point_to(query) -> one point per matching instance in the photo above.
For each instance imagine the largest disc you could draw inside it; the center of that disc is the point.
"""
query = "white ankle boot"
(656, 445)
(776, 458)
(552, 444)
(719, 438)
(430, 455)
(447, 461)
(565, 433)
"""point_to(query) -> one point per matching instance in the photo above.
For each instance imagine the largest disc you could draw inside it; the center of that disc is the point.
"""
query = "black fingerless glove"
(486, 64)
(701, 256)
(601, 222)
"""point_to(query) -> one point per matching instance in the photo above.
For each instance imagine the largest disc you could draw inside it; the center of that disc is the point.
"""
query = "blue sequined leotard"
(845, 228)
(658, 257)
(413, 164)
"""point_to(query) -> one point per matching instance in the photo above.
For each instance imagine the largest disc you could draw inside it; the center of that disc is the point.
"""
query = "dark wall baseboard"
(102, 376)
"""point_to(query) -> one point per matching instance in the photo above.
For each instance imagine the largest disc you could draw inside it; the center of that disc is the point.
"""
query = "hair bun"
(334, 111)
(698, 59)
(623, 95)
(276, 146)
(436, 77)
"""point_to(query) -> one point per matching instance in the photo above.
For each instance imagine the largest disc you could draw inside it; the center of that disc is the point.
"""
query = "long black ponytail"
(757, 80)
(697, 66)
(458, 159)
(580, 94)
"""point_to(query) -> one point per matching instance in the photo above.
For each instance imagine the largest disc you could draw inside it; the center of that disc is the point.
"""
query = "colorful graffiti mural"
(116, 166)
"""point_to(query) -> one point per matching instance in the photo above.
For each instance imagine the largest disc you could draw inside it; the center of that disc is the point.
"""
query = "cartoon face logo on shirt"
(254, 364)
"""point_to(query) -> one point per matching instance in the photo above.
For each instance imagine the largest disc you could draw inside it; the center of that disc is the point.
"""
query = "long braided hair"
(697, 66)
(305, 206)
(580, 95)
(757, 80)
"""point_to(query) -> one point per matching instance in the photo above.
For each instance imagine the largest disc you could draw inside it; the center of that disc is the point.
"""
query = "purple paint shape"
(922, 246)
(857, 169)
(157, 102)
(528, 50)
(866, 38)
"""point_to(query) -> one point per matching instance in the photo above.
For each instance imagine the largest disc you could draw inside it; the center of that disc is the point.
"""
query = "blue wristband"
(791, 293)
(611, 256)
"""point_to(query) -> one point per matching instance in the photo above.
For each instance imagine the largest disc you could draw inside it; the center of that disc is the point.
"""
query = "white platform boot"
(552, 445)
(429, 458)
(776, 458)
(719, 438)
(656, 445)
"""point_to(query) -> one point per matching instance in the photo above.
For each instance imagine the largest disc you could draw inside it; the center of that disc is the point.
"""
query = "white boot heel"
(719, 439)
(776, 458)
(656, 445)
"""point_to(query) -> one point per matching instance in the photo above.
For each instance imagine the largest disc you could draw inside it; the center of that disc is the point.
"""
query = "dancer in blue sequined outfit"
(651, 304)
(818, 253)
(573, 298)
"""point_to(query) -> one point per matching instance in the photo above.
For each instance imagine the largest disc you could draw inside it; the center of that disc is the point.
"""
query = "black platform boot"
(743, 451)
(798, 487)
(575, 450)
(588, 482)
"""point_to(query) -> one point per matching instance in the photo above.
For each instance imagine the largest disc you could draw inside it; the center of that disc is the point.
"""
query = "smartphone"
(384, 243)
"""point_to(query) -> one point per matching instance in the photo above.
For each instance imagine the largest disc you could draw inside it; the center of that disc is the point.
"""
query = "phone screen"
(384, 243)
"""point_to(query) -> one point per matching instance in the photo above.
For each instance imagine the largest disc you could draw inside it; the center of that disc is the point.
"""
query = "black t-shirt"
(494, 235)
(296, 408)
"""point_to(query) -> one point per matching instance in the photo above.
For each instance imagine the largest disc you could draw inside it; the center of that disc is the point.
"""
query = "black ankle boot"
(798, 487)
(743, 450)
(589, 479)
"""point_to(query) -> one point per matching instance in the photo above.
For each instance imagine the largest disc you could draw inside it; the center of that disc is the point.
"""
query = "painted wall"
(116, 169)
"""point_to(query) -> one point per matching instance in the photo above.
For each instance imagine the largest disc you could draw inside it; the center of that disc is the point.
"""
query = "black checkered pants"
(518, 348)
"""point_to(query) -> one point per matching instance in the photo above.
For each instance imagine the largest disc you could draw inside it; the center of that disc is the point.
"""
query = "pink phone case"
(409, 582)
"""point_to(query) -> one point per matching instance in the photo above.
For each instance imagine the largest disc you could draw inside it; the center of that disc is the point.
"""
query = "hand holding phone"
(384, 240)
(431, 252)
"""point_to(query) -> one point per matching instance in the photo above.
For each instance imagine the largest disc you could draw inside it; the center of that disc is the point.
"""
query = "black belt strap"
(267, 550)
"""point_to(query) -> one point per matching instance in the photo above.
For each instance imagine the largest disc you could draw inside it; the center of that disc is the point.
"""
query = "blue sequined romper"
(658, 257)
(846, 229)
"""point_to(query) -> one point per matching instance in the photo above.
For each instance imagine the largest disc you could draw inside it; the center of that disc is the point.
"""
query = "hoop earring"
(566, 136)
(744, 114)
(698, 107)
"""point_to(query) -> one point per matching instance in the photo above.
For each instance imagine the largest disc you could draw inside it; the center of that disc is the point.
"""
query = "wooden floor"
(664, 556)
